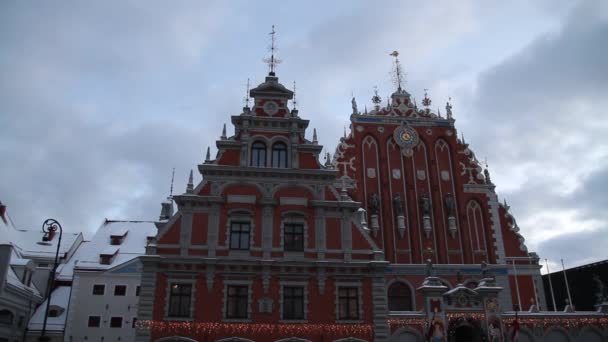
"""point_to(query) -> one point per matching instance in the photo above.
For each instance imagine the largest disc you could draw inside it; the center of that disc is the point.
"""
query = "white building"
(106, 277)
(24, 271)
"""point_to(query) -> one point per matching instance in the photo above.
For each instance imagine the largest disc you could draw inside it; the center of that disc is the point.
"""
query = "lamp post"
(50, 226)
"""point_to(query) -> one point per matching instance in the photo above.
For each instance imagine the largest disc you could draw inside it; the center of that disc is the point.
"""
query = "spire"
(190, 186)
(224, 137)
(314, 136)
(208, 155)
(344, 132)
(166, 210)
(398, 74)
(462, 135)
(272, 61)
(171, 189)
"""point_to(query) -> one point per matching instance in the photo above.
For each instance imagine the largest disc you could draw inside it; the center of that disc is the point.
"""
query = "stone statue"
(448, 109)
(429, 268)
(398, 204)
(450, 204)
(425, 204)
(354, 104)
(601, 294)
(374, 203)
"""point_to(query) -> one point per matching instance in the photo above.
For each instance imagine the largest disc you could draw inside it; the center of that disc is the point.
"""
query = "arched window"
(258, 154)
(399, 297)
(6, 317)
(279, 155)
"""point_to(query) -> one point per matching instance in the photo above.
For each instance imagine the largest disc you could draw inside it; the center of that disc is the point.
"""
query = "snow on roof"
(65, 272)
(27, 243)
(59, 298)
(132, 246)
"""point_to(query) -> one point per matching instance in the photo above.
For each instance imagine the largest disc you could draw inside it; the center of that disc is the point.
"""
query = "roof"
(60, 297)
(133, 245)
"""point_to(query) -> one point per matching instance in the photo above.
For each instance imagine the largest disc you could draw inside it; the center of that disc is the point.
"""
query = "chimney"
(5, 263)
(3, 212)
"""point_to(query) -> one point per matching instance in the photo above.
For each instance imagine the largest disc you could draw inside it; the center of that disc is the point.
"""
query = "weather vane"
(398, 74)
(294, 95)
(171, 190)
(272, 62)
(247, 95)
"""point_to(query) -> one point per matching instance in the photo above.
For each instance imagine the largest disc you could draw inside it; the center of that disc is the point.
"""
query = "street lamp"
(49, 227)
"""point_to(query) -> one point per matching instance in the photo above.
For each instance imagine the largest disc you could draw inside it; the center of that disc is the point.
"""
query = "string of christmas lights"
(396, 323)
(572, 322)
(197, 329)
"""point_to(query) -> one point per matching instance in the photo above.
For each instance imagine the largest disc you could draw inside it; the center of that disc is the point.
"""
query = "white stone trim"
(355, 284)
(230, 282)
(293, 201)
(247, 199)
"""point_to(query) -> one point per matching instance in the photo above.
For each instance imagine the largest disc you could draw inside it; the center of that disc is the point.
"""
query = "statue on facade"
(429, 268)
(398, 204)
(374, 203)
(425, 204)
(354, 105)
(450, 204)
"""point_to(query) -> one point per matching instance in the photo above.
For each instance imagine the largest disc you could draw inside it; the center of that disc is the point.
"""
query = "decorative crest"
(426, 101)
(272, 61)
(398, 74)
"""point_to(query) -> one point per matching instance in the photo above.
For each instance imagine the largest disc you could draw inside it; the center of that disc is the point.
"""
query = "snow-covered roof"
(59, 298)
(65, 272)
(132, 245)
(27, 243)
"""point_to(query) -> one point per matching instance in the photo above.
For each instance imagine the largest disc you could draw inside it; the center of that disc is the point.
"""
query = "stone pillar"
(380, 306)
(432, 293)
(146, 296)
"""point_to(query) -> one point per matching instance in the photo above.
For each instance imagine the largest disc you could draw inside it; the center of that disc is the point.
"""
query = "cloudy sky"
(100, 100)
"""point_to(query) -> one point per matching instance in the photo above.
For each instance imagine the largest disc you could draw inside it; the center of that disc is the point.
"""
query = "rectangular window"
(179, 300)
(94, 321)
(134, 322)
(99, 289)
(293, 235)
(348, 303)
(120, 290)
(293, 302)
(237, 301)
(239, 235)
(116, 322)
(137, 290)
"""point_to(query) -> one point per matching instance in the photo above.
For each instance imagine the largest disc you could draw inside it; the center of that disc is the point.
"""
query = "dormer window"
(55, 311)
(258, 154)
(107, 255)
(117, 238)
(279, 155)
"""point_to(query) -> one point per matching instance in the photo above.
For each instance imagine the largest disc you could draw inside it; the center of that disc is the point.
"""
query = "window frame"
(240, 299)
(392, 303)
(290, 238)
(10, 317)
(293, 300)
(277, 153)
(346, 316)
(240, 233)
(103, 290)
(116, 288)
(170, 312)
(257, 155)
(121, 322)
(98, 322)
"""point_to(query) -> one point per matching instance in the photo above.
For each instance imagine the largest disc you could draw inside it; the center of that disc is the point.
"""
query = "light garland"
(556, 321)
(476, 316)
(396, 323)
(200, 329)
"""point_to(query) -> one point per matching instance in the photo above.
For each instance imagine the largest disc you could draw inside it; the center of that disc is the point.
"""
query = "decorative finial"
(246, 99)
(365, 110)
(462, 137)
(486, 172)
(398, 74)
(426, 101)
(344, 132)
(314, 136)
(171, 189)
(448, 108)
(224, 137)
(376, 98)
(208, 155)
(327, 160)
(438, 112)
(190, 186)
(272, 61)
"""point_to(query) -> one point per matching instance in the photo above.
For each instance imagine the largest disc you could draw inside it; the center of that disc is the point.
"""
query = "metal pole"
(50, 226)
(517, 286)
(550, 285)
(567, 286)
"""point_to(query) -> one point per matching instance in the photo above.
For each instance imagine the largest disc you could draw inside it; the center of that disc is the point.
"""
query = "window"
(134, 322)
(237, 301)
(258, 154)
(399, 297)
(279, 155)
(120, 290)
(99, 289)
(94, 321)
(137, 288)
(116, 322)
(6, 317)
(348, 303)
(53, 313)
(239, 235)
(293, 235)
(293, 302)
(179, 300)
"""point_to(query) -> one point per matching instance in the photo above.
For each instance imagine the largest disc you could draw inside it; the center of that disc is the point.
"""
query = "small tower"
(166, 210)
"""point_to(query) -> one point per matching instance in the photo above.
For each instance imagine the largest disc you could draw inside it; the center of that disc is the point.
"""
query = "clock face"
(406, 137)
(271, 108)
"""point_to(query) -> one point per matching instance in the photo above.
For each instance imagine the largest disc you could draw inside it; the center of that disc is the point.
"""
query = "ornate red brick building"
(403, 226)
